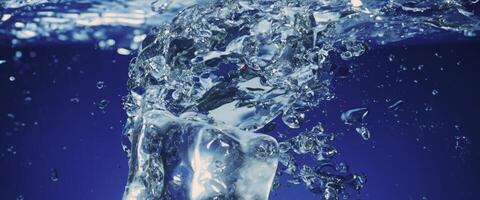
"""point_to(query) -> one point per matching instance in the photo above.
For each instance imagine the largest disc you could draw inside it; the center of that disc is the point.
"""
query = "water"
(212, 79)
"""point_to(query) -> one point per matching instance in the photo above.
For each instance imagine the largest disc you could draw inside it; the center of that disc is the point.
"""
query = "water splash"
(243, 63)
(236, 66)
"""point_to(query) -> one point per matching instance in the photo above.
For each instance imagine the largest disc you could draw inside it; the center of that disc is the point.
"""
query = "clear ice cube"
(181, 158)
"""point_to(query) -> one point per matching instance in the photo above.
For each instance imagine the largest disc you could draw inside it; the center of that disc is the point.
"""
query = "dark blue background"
(411, 154)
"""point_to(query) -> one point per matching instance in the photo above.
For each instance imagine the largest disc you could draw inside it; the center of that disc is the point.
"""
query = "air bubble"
(103, 104)
(54, 175)
(75, 100)
(428, 108)
(364, 132)
(391, 57)
(353, 116)
(100, 85)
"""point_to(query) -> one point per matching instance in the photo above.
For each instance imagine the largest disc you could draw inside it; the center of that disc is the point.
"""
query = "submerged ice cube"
(181, 158)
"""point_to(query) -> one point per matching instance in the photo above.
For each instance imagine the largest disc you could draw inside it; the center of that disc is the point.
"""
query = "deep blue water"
(411, 155)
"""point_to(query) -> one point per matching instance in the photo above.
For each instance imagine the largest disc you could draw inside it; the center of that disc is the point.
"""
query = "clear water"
(211, 72)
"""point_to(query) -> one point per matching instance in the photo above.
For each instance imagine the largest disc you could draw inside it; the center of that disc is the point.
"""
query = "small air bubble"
(364, 132)
(457, 127)
(110, 42)
(428, 108)
(346, 55)
(103, 104)
(74, 100)
(53, 175)
(18, 54)
(434, 92)
(100, 85)
(11, 78)
(391, 57)
(123, 51)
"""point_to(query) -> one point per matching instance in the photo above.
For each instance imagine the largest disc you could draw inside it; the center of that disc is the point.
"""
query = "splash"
(241, 64)
(211, 74)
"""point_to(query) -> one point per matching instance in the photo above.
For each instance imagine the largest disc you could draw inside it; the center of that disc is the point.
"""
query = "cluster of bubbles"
(325, 177)
(262, 59)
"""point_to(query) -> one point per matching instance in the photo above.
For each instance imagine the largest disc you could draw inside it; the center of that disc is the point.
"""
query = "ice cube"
(179, 158)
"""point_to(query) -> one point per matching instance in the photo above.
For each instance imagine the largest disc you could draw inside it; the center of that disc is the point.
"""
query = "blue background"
(411, 154)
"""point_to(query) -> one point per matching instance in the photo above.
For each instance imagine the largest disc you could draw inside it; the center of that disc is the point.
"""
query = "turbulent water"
(211, 74)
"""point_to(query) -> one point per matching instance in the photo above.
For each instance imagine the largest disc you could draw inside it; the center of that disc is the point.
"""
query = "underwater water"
(239, 99)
